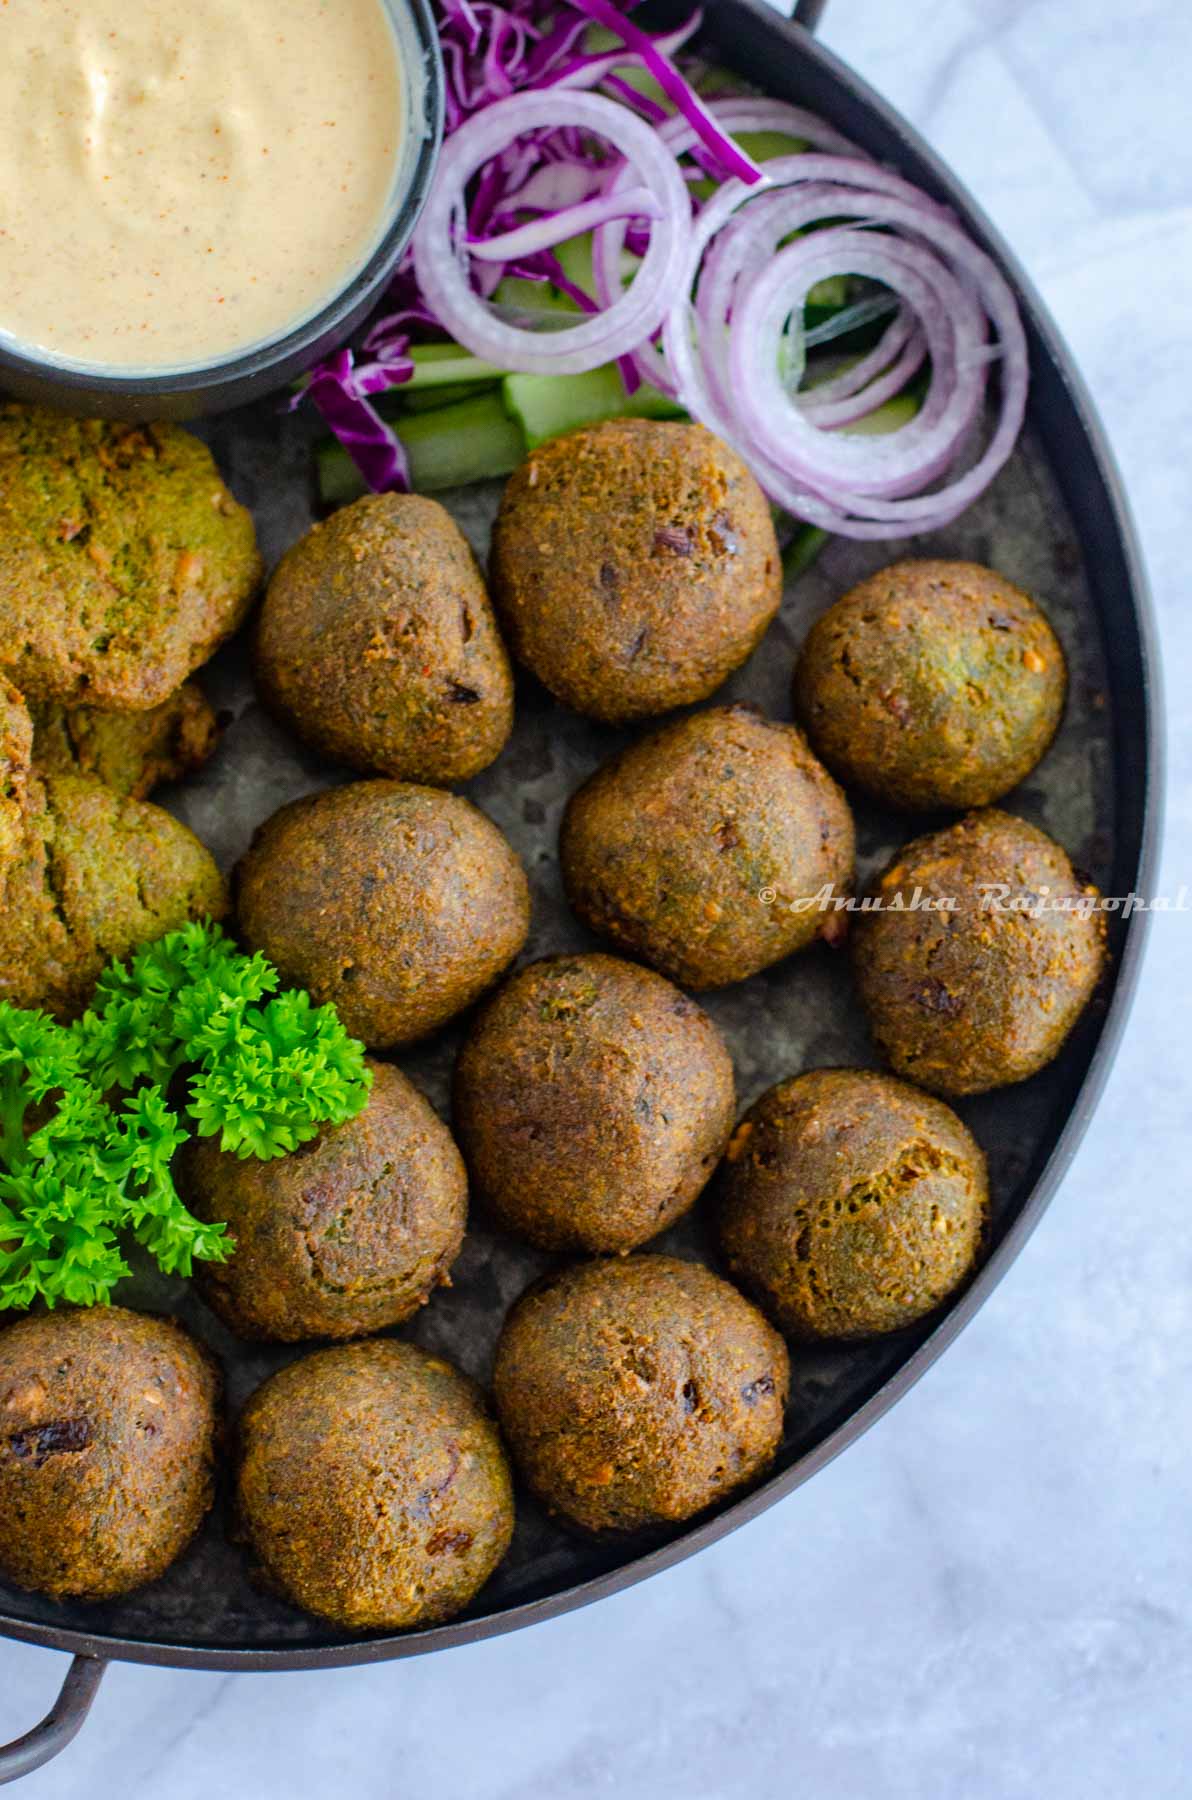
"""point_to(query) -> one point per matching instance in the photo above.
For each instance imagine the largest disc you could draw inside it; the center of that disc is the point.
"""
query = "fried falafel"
(95, 876)
(377, 644)
(638, 1390)
(852, 1204)
(401, 904)
(931, 684)
(634, 566)
(979, 982)
(124, 560)
(346, 1235)
(107, 1449)
(372, 1486)
(16, 750)
(703, 848)
(132, 753)
(593, 1101)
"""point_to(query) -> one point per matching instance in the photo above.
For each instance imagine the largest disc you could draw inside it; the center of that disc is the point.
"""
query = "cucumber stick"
(472, 440)
(547, 405)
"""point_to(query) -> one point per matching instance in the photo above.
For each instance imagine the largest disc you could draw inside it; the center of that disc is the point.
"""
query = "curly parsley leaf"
(87, 1135)
(75, 1174)
(289, 1069)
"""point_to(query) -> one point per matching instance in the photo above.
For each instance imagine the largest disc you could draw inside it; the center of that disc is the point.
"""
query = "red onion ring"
(544, 234)
(744, 112)
(869, 487)
(442, 270)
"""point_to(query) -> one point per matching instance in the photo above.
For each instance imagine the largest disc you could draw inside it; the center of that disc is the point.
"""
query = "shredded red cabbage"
(730, 155)
(701, 294)
(339, 391)
(491, 51)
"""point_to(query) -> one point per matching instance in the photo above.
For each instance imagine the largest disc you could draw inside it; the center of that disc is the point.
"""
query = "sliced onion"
(722, 337)
(900, 343)
(544, 234)
(442, 265)
(736, 113)
(754, 112)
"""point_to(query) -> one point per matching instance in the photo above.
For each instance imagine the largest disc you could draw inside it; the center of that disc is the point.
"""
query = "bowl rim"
(784, 41)
(310, 337)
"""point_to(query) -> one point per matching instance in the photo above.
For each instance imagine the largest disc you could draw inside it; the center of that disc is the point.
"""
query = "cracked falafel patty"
(400, 904)
(638, 1390)
(979, 983)
(931, 684)
(852, 1204)
(372, 1486)
(16, 749)
(593, 1101)
(634, 566)
(344, 1236)
(703, 847)
(108, 1432)
(132, 753)
(124, 560)
(95, 877)
(377, 644)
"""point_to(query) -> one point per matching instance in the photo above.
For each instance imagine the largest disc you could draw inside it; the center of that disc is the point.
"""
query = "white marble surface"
(990, 1597)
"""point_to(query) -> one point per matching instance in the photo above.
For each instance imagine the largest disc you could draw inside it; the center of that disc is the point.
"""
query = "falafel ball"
(703, 848)
(634, 566)
(593, 1100)
(401, 904)
(853, 1204)
(638, 1390)
(977, 981)
(16, 749)
(124, 560)
(132, 752)
(377, 644)
(95, 877)
(107, 1449)
(932, 684)
(346, 1235)
(372, 1486)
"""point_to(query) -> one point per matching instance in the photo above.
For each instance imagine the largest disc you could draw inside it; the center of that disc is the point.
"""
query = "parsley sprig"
(87, 1131)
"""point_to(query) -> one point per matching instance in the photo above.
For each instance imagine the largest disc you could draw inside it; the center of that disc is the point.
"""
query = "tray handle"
(61, 1724)
(808, 13)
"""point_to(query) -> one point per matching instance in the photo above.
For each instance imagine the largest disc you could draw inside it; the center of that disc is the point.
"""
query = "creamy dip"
(180, 179)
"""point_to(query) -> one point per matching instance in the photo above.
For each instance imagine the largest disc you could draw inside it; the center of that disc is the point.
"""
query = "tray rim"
(347, 1652)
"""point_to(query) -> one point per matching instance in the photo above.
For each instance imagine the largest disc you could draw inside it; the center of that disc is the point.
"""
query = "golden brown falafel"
(346, 1235)
(16, 750)
(638, 1390)
(372, 1486)
(932, 684)
(593, 1101)
(978, 983)
(95, 877)
(107, 1449)
(131, 752)
(401, 904)
(124, 560)
(634, 566)
(852, 1204)
(377, 644)
(703, 848)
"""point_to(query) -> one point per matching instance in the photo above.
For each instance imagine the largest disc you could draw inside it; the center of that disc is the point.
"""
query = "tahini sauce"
(180, 179)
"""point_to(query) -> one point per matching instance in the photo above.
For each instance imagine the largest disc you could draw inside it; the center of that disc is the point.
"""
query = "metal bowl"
(245, 375)
(1056, 521)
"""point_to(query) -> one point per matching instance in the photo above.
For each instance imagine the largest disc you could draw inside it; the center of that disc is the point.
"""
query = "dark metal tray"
(1056, 521)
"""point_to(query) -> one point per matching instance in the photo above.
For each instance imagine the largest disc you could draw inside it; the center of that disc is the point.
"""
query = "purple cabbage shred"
(491, 51)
